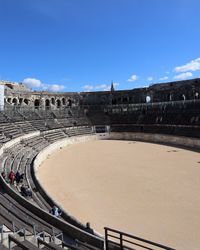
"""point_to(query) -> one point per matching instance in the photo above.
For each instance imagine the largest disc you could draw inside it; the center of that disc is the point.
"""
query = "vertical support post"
(9, 243)
(43, 236)
(121, 241)
(13, 225)
(38, 243)
(106, 238)
(1, 227)
(34, 230)
(24, 230)
(53, 234)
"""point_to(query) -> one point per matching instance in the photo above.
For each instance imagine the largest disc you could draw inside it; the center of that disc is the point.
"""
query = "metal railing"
(121, 240)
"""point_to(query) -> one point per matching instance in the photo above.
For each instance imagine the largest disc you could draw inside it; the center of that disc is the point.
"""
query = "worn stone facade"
(165, 92)
(17, 95)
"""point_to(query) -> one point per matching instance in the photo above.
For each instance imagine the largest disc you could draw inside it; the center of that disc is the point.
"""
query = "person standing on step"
(11, 177)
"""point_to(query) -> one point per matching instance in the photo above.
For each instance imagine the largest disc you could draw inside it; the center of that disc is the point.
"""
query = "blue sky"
(78, 45)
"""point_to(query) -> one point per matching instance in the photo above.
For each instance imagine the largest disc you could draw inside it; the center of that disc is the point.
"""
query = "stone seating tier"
(26, 126)
(54, 136)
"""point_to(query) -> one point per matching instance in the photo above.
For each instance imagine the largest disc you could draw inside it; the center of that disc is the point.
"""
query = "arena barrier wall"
(42, 156)
(177, 141)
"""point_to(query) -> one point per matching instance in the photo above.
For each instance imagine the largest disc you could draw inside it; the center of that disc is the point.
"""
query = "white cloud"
(133, 78)
(103, 87)
(150, 78)
(88, 88)
(183, 76)
(164, 78)
(55, 88)
(99, 87)
(107, 88)
(32, 83)
(193, 65)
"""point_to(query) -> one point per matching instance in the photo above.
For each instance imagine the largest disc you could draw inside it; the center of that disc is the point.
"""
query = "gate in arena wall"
(101, 129)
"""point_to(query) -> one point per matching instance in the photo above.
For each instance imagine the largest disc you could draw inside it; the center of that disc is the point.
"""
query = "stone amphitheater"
(34, 124)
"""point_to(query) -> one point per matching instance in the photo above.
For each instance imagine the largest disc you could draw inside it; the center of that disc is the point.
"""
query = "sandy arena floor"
(143, 189)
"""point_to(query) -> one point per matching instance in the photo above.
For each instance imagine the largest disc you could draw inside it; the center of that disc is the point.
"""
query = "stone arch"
(20, 101)
(26, 101)
(114, 101)
(63, 101)
(69, 102)
(36, 103)
(9, 100)
(125, 99)
(47, 103)
(53, 101)
(14, 101)
(58, 103)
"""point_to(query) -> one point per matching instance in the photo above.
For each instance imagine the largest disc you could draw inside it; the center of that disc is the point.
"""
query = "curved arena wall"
(65, 227)
(178, 141)
(42, 156)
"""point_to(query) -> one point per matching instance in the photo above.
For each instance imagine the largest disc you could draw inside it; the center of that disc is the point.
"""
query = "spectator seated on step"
(55, 211)
(25, 191)
(19, 177)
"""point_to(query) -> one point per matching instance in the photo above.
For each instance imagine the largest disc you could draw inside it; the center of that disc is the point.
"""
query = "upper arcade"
(17, 95)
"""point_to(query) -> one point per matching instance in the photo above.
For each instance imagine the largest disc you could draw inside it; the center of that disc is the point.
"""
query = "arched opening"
(26, 101)
(125, 99)
(63, 101)
(58, 103)
(114, 101)
(148, 99)
(20, 100)
(69, 113)
(36, 103)
(14, 101)
(53, 101)
(9, 100)
(47, 104)
(69, 102)
(119, 100)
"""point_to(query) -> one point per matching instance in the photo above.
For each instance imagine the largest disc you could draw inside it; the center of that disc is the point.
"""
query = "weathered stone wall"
(18, 95)
(43, 100)
(173, 91)
(178, 141)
